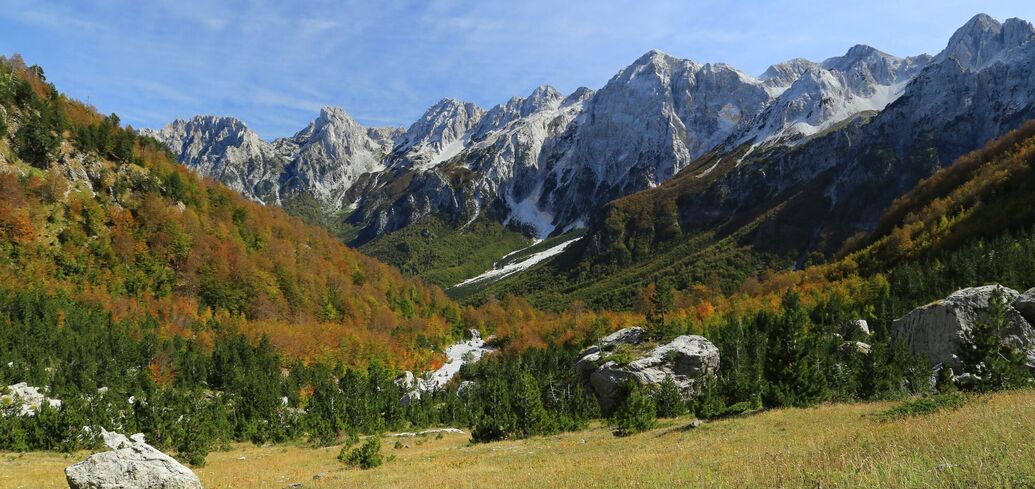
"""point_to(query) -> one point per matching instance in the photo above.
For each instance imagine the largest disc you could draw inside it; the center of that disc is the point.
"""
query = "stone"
(433, 431)
(29, 398)
(687, 359)
(464, 387)
(937, 330)
(857, 346)
(409, 383)
(629, 336)
(1025, 304)
(857, 325)
(131, 464)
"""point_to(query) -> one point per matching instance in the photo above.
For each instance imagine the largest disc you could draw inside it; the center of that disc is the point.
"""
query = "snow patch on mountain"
(509, 269)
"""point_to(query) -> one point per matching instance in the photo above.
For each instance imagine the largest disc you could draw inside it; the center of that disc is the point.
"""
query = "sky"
(273, 64)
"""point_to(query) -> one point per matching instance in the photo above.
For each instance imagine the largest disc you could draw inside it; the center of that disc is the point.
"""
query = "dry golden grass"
(989, 442)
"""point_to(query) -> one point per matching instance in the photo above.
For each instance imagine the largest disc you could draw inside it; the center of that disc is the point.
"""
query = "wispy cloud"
(274, 64)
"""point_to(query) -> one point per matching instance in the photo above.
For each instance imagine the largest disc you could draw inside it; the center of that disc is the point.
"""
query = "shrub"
(923, 405)
(623, 354)
(487, 430)
(366, 456)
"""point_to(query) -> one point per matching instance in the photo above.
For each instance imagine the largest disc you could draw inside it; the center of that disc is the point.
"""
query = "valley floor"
(989, 442)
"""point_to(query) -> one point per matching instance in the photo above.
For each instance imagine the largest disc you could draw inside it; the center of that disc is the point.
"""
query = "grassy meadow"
(989, 441)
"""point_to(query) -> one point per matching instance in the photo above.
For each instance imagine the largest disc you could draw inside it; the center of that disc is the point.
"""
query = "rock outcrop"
(937, 330)
(687, 359)
(131, 464)
(29, 398)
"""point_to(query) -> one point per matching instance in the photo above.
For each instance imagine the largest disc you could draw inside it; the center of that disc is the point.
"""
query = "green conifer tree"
(992, 363)
(636, 411)
(669, 400)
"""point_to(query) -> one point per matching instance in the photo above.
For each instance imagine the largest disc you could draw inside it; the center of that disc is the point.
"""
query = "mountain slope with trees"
(92, 209)
(747, 210)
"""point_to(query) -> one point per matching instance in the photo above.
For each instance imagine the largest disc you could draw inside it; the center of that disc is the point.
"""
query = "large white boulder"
(937, 330)
(131, 464)
(687, 359)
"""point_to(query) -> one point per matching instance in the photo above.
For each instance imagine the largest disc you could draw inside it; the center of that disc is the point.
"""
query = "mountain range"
(792, 163)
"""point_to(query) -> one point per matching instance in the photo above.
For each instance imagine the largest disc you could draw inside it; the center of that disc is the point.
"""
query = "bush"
(924, 405)
(366, 456)
(623, 354)
(636, 411)
(487, 430)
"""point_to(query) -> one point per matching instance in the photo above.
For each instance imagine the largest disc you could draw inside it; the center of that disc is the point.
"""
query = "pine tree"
(35, 142)
(496, 420)
(668, 399)
(636, 411)
(992, 363)
(532, 418)
(792, 368)
(660, 304)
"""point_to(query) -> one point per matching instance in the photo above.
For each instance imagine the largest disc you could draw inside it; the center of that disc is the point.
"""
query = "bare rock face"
(131, 464)
(937, 330)
(687, 359)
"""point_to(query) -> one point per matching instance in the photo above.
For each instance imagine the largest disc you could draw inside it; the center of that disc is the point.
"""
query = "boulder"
(687, 359)
(464, 387)
(1025, 304)
(937, 330)
(857, 325)
(131, 464)
(29, 398)
(406, 380)
(410, 385)
(631, 336)
(856, 346)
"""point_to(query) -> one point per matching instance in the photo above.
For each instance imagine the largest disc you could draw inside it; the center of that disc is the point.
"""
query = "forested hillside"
(148, 299)
(93, 211)
(969, 223)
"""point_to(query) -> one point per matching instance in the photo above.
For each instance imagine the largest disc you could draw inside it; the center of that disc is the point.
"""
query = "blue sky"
(273, 63)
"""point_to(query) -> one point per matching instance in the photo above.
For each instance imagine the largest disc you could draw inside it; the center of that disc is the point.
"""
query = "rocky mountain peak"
(983, 39)
(331, 120)
(782, 75)
(543, 96)
(438, 135)
(444, 122)
(329, 115)
(656, 64)
(580, 95)
(206, 136)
